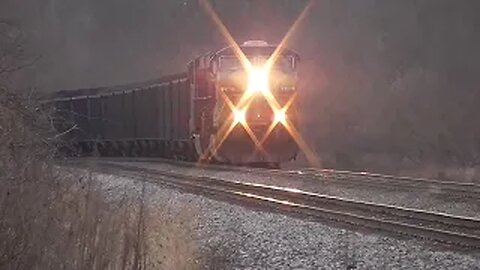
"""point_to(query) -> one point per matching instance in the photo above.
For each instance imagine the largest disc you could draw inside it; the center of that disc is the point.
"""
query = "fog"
(382, 81)
(92, 43)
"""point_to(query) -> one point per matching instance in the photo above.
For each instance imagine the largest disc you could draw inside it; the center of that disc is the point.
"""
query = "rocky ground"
(427, 200)
(234, 237)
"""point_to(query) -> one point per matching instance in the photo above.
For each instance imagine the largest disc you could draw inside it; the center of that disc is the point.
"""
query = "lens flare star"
(258, 82)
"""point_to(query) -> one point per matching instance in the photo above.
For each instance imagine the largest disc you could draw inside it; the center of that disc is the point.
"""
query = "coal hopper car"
(219, 110)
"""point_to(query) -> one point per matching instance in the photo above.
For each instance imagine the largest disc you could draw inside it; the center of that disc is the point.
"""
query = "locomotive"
(216, 111)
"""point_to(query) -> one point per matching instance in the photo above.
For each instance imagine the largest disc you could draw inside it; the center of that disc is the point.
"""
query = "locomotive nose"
(259, 112)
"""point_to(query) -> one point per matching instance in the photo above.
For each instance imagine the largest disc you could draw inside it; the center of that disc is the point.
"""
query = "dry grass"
(51, 221)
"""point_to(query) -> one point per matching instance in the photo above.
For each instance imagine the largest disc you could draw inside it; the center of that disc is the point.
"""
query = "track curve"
(450, 229)
(345, 178)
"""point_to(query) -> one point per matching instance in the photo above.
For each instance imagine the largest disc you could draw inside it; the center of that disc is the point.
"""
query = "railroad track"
(449, 188)
(449, 229)
(344, 178)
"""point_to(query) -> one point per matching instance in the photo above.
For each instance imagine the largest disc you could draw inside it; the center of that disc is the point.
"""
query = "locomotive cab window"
(229, 63)
(285, 64)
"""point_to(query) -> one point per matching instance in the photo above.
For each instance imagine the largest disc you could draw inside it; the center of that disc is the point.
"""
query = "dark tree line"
(396, 79)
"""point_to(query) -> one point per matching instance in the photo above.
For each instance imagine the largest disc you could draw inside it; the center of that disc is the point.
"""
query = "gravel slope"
(240, 238)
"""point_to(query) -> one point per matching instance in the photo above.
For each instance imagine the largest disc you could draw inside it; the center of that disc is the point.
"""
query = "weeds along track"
(449, 229)
(343, 178)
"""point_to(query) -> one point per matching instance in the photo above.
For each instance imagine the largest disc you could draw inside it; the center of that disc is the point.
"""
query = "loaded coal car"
(219, 110)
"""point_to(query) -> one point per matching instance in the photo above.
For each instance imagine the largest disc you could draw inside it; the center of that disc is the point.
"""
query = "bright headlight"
(280, 116)
(258, 80)
(239, 116)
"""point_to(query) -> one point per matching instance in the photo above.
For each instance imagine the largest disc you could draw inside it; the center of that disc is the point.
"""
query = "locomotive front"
(255, 105)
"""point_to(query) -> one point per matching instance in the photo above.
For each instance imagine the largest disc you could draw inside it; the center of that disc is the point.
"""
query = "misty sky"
(89, 43)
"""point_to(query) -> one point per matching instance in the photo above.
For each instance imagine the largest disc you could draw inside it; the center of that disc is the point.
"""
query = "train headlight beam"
(239, 116)
(280, 116)
(258, 81)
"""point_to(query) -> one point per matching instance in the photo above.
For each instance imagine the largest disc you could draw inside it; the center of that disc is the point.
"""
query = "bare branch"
(19, 67)
(65, 132)
(12, 51)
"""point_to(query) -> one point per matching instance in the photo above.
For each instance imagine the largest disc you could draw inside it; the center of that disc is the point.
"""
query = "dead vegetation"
(53, 220)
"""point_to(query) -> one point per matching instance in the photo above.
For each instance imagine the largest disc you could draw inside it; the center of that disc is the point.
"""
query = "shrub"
(53, 219)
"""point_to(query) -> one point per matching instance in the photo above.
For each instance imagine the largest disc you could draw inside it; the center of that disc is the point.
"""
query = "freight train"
(217, 111)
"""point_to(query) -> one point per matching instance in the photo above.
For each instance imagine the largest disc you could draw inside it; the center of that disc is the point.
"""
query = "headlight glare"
(280, 116)
(239, 116)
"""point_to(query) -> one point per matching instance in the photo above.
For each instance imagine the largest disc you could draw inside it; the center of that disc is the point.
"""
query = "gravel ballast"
(236, 237)
(422, 199)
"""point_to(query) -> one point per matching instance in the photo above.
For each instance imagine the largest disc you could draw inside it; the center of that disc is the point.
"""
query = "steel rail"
(346, 178)
(450, 229)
